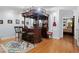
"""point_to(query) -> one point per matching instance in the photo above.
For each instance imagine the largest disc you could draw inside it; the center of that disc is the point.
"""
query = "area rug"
(16, 47)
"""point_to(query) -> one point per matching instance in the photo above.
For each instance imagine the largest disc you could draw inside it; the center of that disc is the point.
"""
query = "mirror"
(29, 22)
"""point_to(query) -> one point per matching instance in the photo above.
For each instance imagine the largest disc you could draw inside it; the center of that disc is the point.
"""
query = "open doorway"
(68, 29)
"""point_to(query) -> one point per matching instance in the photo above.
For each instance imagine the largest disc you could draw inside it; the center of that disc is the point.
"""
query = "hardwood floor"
(7, 40)
(66, 45)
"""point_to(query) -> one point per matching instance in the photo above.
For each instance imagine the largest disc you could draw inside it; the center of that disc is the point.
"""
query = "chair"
(18, 30)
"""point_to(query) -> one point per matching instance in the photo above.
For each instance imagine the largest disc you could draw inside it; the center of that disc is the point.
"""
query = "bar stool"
(18, 31)
(50, 34)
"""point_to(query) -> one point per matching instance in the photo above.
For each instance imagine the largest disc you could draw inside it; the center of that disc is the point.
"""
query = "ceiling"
(24, 8)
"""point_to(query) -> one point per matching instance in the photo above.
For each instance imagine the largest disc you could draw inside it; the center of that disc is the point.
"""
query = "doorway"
(68, 29)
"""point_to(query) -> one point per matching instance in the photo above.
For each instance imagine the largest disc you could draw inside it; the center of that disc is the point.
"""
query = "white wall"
(54, 29)
(9, 13)
(76, 14)
(59, 13)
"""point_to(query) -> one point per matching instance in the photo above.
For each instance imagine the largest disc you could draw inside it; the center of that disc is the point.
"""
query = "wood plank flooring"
(66, 45)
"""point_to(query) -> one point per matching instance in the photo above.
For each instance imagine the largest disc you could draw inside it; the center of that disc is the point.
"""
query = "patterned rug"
(15, 47)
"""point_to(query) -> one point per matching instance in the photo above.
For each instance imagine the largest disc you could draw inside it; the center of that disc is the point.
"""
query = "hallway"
(56, 46)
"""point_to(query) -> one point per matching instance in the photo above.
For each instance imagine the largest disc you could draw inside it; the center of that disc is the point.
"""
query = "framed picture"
(22, 22)
(27, 23)
(9, 21)
(17, 21)
(64, 24)
(1, 21)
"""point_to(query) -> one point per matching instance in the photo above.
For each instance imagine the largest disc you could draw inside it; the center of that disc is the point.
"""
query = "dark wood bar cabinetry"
(34, 35)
